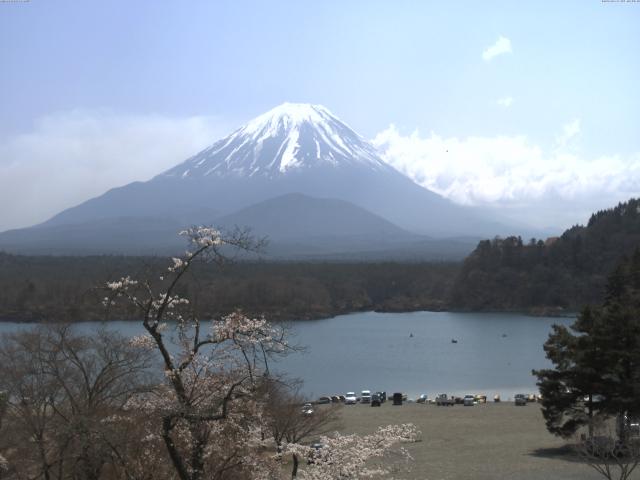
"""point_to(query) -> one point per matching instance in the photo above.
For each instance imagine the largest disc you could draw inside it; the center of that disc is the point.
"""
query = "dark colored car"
(520, 399)
(397, 398)
(323, 400)
(375, 400)
(383, 396)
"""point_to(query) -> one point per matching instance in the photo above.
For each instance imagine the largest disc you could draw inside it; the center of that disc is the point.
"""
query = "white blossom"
(203, 236)
(142, 341)
(121, 284)
(354, 456)
(177, 263)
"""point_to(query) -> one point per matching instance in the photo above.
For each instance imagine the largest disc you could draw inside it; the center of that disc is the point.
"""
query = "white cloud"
(569, 132)
(505, 102)
(72, 156)
(502, 46)
(511, 172)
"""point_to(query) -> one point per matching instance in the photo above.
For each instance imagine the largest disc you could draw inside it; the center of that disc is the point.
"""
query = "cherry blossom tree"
(213, 411)
(207, 411)
(357, 457)
(288, 424)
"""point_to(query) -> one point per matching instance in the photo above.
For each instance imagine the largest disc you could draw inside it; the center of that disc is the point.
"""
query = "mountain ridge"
(293, 148)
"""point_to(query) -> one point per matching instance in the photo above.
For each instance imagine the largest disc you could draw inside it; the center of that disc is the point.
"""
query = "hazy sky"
(523, 105)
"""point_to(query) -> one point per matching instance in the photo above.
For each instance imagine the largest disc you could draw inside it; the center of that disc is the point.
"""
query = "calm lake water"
(495, 352)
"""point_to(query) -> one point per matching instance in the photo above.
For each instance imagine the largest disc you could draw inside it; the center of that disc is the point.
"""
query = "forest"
(555, 276)
(65, 288)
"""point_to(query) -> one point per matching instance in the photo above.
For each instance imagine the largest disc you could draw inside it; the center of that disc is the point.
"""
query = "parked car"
(323, 400)
(397, 398)
(520, 399)
(422, 398)
(383, 396)
(315, 453)
(307, 409)
(469, 400)
(366, 396)
(375, 400)
(350, 398)
(481, 398)
(444, 400)
(335, 399)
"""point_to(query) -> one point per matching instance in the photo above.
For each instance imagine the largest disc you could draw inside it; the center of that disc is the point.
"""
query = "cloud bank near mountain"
(512, 172)
(71, 156)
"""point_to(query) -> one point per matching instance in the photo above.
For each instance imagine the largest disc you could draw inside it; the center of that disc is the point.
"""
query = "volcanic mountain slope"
(294, 148)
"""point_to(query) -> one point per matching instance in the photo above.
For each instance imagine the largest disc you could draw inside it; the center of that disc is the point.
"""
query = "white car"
(350, 398)
(307, 409)
(366, 396)
(469, 400)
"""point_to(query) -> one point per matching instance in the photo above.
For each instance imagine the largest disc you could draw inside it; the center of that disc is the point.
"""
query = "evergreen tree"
(596, 360)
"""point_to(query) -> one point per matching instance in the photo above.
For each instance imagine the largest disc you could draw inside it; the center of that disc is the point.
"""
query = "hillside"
(552, 276)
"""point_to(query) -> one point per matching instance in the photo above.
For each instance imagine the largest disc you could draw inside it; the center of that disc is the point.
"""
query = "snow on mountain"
(292, 136)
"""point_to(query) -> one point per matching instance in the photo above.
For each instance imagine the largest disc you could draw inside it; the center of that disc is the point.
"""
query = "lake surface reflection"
(410, 352)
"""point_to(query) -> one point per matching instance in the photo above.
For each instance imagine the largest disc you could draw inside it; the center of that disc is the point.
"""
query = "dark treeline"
(64, 288)
(549, 276)
(546, 277)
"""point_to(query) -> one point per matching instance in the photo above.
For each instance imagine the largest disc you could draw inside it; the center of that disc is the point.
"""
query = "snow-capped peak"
(290, 137)
(289, 115)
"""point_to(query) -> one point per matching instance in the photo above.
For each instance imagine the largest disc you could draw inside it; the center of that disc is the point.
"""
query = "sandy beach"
(485, 442)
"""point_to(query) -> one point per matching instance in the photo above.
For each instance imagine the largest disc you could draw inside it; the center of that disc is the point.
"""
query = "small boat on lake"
(453, 340)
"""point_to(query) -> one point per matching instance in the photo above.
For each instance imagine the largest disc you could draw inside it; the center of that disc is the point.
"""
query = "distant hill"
(549, 276)
(304, 227)
(296, 226)
(297, 216)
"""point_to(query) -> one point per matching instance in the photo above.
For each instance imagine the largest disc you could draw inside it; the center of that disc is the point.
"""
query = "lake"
(410, 352)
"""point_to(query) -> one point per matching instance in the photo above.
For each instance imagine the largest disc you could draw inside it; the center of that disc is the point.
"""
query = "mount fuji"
(288, 164)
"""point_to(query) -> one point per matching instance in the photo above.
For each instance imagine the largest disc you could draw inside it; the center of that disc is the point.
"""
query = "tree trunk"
(174, 454)
(294, 472)
(590, 413)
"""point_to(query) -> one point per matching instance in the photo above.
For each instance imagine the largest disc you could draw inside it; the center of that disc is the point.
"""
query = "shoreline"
(33, 319)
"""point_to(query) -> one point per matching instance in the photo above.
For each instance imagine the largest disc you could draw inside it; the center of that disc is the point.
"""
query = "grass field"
(484, 442)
